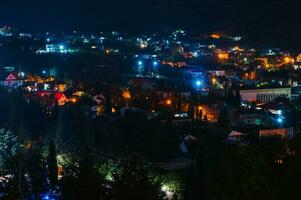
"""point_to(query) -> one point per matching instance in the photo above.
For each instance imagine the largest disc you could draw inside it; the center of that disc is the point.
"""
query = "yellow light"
(62, 87)
(214, 81)
(237, 48)
(288, 59)
(200, 108)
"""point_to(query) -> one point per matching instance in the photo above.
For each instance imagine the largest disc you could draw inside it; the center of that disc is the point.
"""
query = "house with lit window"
(10, 80)
(60, 98)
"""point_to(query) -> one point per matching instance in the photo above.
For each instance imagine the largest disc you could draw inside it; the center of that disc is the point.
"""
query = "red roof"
(59, 96)
(12, 76)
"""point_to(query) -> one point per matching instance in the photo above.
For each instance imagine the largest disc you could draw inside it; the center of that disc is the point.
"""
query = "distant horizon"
(274, 22)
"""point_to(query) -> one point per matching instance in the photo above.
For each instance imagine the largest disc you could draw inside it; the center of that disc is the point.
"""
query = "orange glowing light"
(223, 56)
(288, 59)
(126, 94)
(73, 100)
(215, 36)
(298, 59)
(168, 102)
(214, 81)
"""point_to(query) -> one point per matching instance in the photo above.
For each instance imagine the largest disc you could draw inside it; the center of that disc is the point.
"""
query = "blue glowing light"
(140, 62)
(280, 120)
(62, 47)
(46, 197)
(155, 63)
(198, 83)
(44, 72)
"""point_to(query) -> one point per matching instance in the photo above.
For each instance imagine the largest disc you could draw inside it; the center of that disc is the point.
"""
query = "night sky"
(272, 21)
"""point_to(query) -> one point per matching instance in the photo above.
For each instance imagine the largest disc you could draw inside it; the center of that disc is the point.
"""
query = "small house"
(10, 80)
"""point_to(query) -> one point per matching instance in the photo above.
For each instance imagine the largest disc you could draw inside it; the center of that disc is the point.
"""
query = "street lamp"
(198, 83)
(168, 102)
(140, 63)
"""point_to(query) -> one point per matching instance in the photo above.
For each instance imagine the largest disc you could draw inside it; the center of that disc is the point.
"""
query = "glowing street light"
(214, 81)
(280, 120)
(168, 102)
(140, 63)
(198, 83)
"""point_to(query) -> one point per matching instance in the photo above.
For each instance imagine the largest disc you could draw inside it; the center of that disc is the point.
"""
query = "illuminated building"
(62, 87)
(264, 95)
(298, 59)
(174, 64)
(11, 80)
(223, 56)
(217, 72)
(286, 133)
(56, 48)
(61, 99)
(288, 59)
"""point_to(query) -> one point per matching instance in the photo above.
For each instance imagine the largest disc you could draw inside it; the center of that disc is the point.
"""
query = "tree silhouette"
(134, 183)
(52, 165)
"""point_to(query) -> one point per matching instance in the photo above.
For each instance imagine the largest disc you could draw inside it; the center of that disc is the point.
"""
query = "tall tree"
(223, 120)
(85, 184)
(35, 168)
(9, 148)
(10, 163)
(52, 165)
(134, 183)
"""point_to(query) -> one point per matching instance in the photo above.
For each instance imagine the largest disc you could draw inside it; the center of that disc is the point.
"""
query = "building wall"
(12, 84)
(265, 95)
